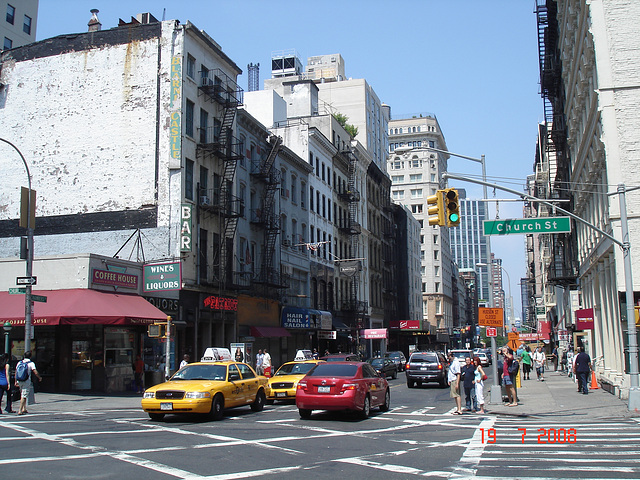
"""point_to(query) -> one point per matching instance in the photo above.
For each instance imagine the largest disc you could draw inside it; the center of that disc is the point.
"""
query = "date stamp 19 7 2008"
(545, 435)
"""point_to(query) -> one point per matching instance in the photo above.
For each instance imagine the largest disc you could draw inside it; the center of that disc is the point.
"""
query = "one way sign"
(26, 280)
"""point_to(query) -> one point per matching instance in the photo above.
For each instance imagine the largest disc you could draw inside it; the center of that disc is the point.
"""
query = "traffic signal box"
(157, 330)
(452, 204)
(436, 209)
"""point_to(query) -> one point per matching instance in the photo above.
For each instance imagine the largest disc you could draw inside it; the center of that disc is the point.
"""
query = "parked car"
(206, 388)
(398, 358)
(484, 360)
(354, 386)
(283, 385)
(384, 366)
(424, 367)
(341, 357)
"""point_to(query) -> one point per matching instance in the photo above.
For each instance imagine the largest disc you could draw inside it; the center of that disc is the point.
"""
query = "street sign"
(527, 225)
(492, 332)
(490, 317)
(17, 291)
(39, 298)
(26, 280)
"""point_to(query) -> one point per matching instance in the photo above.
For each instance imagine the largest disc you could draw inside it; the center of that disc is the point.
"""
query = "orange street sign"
(490, 317)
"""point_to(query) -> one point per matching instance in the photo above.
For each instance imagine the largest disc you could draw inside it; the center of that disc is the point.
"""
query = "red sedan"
(342, 386)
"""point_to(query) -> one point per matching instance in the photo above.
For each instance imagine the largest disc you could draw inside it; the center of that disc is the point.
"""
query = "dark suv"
(398, 358)
(426, 367)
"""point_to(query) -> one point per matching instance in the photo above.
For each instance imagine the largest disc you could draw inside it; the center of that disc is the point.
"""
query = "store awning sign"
(160, 277)
(584, 319)
(374, 333)
(405, 324)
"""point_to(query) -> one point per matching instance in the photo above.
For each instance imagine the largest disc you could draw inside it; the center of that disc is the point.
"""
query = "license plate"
(423, 368)
(281, 394)
(324, 389)
(166, 406)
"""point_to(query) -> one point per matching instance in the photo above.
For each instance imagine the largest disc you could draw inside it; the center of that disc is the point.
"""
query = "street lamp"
(7, 330)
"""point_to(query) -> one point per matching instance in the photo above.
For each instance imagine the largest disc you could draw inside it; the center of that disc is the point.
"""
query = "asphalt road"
(418, 437)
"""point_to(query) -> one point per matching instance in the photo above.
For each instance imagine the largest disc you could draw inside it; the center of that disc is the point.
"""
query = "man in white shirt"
(259, 359)
(266, 361)
(453, 376)
(539, 358)
(26, 386)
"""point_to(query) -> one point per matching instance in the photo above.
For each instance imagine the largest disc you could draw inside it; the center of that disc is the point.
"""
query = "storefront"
(305, 325)
(82, 339)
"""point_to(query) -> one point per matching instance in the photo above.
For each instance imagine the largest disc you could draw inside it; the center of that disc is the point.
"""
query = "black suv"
(426, 367)
(398, 358)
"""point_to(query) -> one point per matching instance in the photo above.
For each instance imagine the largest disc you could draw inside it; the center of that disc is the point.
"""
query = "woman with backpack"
(24, 369)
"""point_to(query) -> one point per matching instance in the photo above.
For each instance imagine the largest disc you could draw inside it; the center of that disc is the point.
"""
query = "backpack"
(22, 371)
(514, 367)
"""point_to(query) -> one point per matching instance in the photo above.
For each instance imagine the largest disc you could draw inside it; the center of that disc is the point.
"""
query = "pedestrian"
(259, 358)
(509, 371)
(138, 374)
(526, 363)
(539, 359)
(266, 362)
(315, 354)
(554, 358)
(185, 360)
(5, 381)
(26, 385)
(453, 376)
(478, 382)
(239, 355)
(582, 369)
(467, 373)
(570, 362)
(563, 362)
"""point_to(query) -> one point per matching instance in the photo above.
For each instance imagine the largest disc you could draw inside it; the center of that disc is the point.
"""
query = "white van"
(461, 355)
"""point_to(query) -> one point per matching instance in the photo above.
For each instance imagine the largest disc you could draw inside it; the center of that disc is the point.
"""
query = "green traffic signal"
(453, 207)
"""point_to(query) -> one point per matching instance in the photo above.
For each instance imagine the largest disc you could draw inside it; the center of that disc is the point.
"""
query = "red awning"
(80, 307)
(269, 332)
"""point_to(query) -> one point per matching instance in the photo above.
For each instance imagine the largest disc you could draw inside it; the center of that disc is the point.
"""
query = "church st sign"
(527, 225)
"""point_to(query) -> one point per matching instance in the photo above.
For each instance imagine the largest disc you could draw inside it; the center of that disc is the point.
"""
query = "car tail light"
(302, 385)
(348, 386)
(439, 366)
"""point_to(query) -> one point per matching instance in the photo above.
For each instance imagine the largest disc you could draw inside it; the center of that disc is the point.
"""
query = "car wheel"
(258, 404)
(217, 408)
(387, 402)
(394, 375)
(366, 408)
(156, 417)
(305, 413)
(410, 383)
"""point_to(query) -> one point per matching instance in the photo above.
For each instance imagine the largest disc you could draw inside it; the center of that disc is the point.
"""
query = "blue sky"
(473, 64)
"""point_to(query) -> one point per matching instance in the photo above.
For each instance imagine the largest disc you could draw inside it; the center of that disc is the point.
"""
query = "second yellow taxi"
(283, 385)
(207, 388)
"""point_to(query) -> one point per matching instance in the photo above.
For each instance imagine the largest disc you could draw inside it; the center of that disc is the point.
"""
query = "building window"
(11, 14)
(188, 179)
(294, 189)
(188, 121)
(438, 307)
(26, 26)
(397, 178)
(436, 286)
(416, 193)
(436, 254)
(311, 190)
(191, 67)
(415, 177)
(242, 193)
(398, 194)
(241, 151)
(416, 208)
(204, 180)
(416, 163)
(436, 270)
(8, 43)
(204, 125)
(432, 144)
(303, 194)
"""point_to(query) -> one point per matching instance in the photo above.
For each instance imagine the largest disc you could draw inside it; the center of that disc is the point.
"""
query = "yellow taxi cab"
(207, 388)
(283, 385)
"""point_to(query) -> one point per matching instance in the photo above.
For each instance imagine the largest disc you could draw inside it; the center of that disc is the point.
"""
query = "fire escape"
(563, 268)
(354, 311)
(268, 218)
(218, 141)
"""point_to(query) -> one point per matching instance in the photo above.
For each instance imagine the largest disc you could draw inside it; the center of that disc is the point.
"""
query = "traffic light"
(452, 204)
(436, 208)
(157, 330)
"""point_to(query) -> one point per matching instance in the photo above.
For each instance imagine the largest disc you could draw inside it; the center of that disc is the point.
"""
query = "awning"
(338, 325)
(81, 307)
(269, 332)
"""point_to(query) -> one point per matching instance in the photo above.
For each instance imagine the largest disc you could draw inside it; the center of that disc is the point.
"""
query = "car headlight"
(197, 395)
(149, 395)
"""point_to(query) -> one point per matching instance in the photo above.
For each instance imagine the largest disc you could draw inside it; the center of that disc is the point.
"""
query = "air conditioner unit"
(205, 200)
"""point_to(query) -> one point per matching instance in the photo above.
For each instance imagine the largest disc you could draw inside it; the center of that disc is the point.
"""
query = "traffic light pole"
(625, 244)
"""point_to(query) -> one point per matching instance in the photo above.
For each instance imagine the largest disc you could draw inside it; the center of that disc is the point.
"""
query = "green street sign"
(39, 298)
(17, 291)
(527, 225)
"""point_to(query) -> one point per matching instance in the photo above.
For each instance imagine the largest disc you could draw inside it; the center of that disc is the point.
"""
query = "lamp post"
(7, 343)
(29, 268)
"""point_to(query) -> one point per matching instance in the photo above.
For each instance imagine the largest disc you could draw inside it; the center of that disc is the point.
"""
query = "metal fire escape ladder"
(272, 219)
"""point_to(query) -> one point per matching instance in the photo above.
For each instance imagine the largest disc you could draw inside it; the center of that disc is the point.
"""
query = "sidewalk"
(558, 395)
(76, 402)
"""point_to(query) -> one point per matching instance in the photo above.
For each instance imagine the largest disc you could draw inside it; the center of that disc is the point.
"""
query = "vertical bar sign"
(175, 121)
(176, 79)
(185, 227)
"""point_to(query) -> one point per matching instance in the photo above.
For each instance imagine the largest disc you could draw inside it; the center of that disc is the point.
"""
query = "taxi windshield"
(201, 372)
(295, 368)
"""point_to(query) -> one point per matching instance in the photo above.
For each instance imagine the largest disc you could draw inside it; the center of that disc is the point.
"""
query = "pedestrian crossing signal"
(452, 203)
(157, 330)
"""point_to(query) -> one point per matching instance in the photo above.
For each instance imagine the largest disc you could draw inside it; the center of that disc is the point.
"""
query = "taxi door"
(251, 382)
(235, 395)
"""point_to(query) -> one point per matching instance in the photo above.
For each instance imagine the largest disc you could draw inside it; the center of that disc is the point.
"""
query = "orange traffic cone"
(594, 382)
